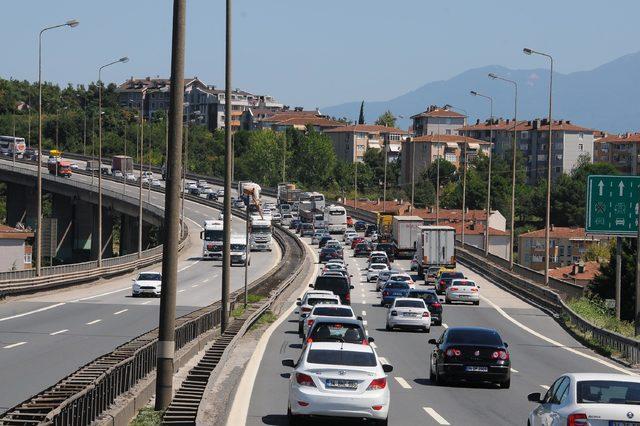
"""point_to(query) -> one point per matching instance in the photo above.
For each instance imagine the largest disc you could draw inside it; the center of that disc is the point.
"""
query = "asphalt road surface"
(44, 338)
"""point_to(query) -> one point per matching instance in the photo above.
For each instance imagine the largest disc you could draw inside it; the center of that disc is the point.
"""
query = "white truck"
(405, 233)
(260, 234)
(436, 247)
(239, 251)
(211, 237)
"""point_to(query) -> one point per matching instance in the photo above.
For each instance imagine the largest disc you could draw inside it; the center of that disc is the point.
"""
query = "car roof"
(337, 346)
(465, 280)
(378, 252)
(603, 376)
(334, 306)
(400, 273)
(343, 320)
(472, 329)
(316, 292)
(423, 290)
(406, 298)
(325, 296)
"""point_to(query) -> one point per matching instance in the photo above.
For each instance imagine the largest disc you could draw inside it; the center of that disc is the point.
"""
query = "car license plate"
(341, 384)
(622, 423)
(409, 314)
(475, 369)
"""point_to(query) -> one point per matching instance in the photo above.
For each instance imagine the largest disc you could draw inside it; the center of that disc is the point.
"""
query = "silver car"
(595, 399)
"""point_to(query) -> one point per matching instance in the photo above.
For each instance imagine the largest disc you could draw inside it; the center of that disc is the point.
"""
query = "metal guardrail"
(549, 298)
(82, 396)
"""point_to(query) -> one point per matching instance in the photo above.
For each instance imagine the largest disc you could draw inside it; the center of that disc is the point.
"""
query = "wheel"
(384, 422)
(447, 301)
(388, 327)
(432, 375)
(439, 322)
(293, 420)
(439, 379)
(427, 329)
(506, 384)
(300, 329)
(477, 302)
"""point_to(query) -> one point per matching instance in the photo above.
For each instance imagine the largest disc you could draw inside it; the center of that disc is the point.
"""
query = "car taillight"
(377, 384)
(365, 342)
(436, 305)
(394, 313)
(309, 322)
(385, 293)
(426, 314)
(347, 297)
(474, 289)
(304, 380)
(309, 340)
(441, 282)
(453, 352)
(453, 288)
(577, 419)
(306, 309)
(504, 355)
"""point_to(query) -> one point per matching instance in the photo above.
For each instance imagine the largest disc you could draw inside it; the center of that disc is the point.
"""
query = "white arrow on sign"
(621, 186)
(600, 187)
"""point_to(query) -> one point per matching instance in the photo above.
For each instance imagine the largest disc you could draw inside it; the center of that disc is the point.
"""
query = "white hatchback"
(147, 283)
(335, 379)
(337, 310)
(407, 312)
(596, 399)
(462, 290)
(374, 270)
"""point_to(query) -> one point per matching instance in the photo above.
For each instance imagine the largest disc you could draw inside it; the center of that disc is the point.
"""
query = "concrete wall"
(575, 145)
(12, 257)
(498, 244)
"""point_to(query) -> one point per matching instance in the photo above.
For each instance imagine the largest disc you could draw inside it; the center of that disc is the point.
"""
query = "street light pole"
(166, 329)
(71, 23)
(486, 228)
(549, 152)
(123, 60)
(141, 162)
(464, 176)
(513, 163)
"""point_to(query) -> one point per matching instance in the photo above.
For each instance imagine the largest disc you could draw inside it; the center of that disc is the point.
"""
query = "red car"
(356, 241)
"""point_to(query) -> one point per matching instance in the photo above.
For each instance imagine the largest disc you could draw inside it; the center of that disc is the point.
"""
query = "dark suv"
(337, 285)
(387, 248)
(431, 300)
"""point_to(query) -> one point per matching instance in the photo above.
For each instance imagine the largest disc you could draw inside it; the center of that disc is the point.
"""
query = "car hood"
(148, 283)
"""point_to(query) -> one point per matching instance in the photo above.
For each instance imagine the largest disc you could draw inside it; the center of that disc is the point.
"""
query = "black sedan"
(323, 241)
(294, 224)
(360, 225)
(444, 280)
(431, 299)
(328, 253)
(471, 354)
(362, 250)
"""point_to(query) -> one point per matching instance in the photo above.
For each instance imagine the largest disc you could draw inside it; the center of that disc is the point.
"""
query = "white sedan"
(374, 270)
(335, 379)
(462, 290)
(147, 283)
(407, 312)
(335, 310)
(588, 399)
(401, 276)
(348, 236)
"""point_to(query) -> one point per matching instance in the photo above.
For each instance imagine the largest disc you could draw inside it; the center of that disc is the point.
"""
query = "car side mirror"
(371, 339)
(478, 286)
(506, 345)
(311, 285)
(290, 363)
(298, 303)
(433, 342)
(387, 368)
(534, 397)
(351, 287)
(359, 318)
(351, 276)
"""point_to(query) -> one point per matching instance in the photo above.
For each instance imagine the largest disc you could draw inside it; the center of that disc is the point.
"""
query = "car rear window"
(326, 311)
(341, 357)
(409, 304)
(464, 283)
(401, 278)
(378, 260)
(338, 285)
(452, 275)
(318, 301)
(149, 277)
(608, 392)
(427, 297)
(378, 266)
(474, 337)
(346, 332)
(397, 285)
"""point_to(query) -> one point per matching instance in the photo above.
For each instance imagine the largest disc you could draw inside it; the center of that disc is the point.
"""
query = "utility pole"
(140, 163)
(464, 191)
(228, 165)
(166, 332)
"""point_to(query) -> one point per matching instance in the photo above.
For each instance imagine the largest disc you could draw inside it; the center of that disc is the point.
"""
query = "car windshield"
(397, 285)
(149, 277)
(320, 301)
(474, 337)
(427, 297)
(341, 357)
(337, 285)
(452, 275)
(378, 266)
(401, 278)
(608, 392)
(340, 332)
(238, 247)
(409, 304)
(327, 311)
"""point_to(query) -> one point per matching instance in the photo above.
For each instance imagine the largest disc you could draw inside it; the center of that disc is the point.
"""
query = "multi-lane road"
(45, 337)
(540, 352)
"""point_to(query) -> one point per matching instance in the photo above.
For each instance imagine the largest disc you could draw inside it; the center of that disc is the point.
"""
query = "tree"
(315, 160)
(447, 172)
(386, 119)
(361, 117)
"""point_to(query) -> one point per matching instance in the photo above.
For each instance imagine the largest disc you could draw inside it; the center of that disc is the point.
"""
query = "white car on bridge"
(147, 284)
(335, 379)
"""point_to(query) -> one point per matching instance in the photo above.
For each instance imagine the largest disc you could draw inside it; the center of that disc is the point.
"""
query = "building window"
(27, 258)
(580, 146)
(448, 131)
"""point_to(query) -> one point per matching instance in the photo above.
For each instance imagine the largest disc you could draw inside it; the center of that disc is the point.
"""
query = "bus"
(336, 219)
(10, 145)
(317, 199)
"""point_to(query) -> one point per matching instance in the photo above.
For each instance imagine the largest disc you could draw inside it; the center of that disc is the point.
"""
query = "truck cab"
(260, 234)
(239, 251)
(211, 238)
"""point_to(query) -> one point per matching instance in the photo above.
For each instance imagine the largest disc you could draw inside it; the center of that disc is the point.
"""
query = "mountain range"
(605, 98)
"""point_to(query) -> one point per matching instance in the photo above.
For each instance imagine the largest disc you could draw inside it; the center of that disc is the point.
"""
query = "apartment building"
(567, 246)
(352, 142)
(448, 216)
(297, 119)
(421, 151)
(16, 248)
(437, 121)
(620, 150)
(474, 235)
(570, 142)
(203, 103)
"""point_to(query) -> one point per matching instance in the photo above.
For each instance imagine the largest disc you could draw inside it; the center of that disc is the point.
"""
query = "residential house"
(581, 273)
(419, 152)
(570, 143)
(437, 121)
(16, 248)
(352, 142)
(296, 119)
(474, 235)
(566, 245)
(447, 216)
(620, 150)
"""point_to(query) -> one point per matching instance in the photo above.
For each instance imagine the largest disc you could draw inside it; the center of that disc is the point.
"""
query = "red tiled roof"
(626, 138)
(439, 112)
(452, 215)
(557, 232)
(8, 232)
(591, 270)
(447, 138)
(475, 229)
(501, 124)
(370, 128)
(304, 120)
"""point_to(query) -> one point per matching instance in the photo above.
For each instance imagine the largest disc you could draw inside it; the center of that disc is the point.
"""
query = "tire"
(389, 328)
(384, 422)
(432, 376)
(440, 381)
(506, 384)
(300, 329)
(292, 420)
(476, 303)
(447, 301)
(427, 330)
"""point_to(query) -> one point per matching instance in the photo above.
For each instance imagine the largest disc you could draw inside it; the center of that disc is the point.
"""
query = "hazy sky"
(316, 53)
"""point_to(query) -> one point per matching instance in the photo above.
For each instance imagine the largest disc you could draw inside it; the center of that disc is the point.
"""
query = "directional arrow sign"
(612, 205)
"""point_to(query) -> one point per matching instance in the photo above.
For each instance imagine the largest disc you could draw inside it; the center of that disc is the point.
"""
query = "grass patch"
(237, 312)
(595, 312)
(253, 298)
(266, 318)
(147, 417)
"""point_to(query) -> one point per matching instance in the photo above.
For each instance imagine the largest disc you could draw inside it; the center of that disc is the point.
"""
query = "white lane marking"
(513, 370)
(383, 360)
(373, 345)
(544, 387)
(444, 325)
(24, 314)
(55, 333)
(555, 343)
(403, 382)
(195, 285)
(437, 417)
(93, 322)
(180, 291)
(15, 345)
(205, 280)
(364, 313)
(146, 303)
(364, 322)
(120, 312)
(100, 295)
(188, 266)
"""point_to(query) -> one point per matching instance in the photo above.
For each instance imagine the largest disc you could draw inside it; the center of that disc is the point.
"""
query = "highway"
(540, 352)
(45, 337)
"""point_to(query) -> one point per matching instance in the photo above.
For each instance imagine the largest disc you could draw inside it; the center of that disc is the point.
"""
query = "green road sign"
(612, 205)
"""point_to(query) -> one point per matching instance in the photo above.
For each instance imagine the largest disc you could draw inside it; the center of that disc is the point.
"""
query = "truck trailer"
(405, 232)
(436, 247)
(124, 163)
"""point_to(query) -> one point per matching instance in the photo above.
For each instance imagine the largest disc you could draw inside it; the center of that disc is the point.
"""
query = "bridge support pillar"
(128, 234)
(83, 230)
(21, 205)
(62, 210)
(107, 233)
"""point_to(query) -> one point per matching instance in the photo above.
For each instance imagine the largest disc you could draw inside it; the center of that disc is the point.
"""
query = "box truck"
(405, 232)
(436, 247)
